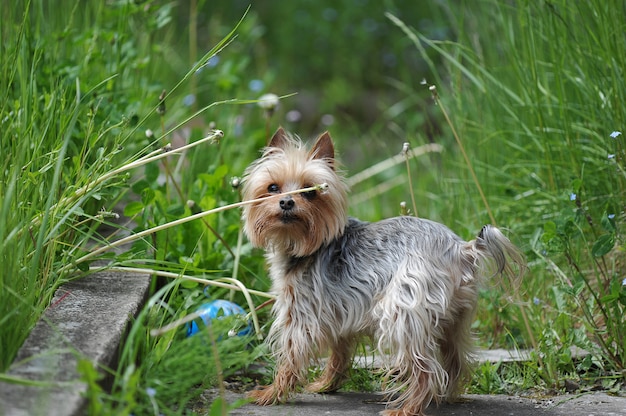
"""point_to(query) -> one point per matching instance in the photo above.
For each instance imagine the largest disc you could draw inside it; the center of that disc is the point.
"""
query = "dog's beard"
(299, 232)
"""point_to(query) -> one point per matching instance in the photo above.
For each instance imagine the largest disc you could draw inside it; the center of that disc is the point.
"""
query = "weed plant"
(72, 92)
(78, 113)
(537, 97)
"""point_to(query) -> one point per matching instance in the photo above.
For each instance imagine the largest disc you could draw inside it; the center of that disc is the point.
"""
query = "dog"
(409, 284)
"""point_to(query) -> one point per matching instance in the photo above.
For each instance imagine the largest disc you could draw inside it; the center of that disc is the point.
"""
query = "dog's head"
(296, 224)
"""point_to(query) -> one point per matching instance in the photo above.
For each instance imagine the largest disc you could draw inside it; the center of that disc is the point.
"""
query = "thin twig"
(405, 152)
(150, 157)
(179, 221)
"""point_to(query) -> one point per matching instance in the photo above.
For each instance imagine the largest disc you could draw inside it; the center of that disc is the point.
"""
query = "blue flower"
(624, 282)
(256, 85)
(611, 156)
(536, 301)
(213, 61)
(151, 392)
(615, 134)
(572, 197)
(611, 216)
(189, 100)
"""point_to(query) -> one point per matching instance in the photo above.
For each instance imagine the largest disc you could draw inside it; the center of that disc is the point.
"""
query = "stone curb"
(87, 319)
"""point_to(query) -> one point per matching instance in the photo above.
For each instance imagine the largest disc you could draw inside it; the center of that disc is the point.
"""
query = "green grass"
(533, 90)
(63, 124)
(535, 95)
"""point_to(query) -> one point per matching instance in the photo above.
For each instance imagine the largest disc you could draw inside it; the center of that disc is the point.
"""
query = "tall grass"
(536, 94)
(80, 90)
(72, 91)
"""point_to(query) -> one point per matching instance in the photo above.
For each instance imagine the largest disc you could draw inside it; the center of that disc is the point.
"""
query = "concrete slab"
(376, 361)
(87, 318)
(366, 404)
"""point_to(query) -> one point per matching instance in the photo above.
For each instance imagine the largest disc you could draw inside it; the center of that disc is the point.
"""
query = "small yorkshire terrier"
(408, 283)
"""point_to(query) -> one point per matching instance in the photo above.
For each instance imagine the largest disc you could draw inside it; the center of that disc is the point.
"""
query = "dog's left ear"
(324, 149)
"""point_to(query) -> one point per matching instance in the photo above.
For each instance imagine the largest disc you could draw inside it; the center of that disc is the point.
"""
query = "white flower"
(268, 102)
(615, 134)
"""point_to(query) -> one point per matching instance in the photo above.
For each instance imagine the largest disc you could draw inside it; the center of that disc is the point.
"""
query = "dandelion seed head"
(268, 102)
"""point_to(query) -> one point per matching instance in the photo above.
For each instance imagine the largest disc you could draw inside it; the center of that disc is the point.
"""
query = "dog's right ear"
(279, 139)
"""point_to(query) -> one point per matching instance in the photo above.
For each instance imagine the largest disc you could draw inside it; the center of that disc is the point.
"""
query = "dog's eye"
(309, 195)
(273, 189)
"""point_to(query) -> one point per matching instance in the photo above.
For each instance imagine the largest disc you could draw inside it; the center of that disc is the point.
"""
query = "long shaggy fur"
(409, 283)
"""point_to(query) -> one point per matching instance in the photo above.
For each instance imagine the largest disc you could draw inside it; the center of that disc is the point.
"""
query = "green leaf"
(151, 171)
(603, 245)
(189, 284)
(147, 196)
(139, 186)
(608, 223)
(83, 266)
(133, 208)
(549, 232)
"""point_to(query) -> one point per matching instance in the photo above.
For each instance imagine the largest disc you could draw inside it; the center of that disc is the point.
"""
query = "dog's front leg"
(293, 352)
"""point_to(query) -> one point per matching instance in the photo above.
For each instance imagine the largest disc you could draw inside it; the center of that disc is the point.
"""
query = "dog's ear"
(279, 139)
(324, 149)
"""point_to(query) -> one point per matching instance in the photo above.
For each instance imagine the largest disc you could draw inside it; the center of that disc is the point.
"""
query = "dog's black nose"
(287, 203)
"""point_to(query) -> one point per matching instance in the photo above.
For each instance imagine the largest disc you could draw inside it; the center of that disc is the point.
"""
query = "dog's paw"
(265, 396)
(400, 412)
(323, 385)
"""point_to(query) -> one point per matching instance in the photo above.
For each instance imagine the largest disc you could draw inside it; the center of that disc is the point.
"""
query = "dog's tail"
(507, 258)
